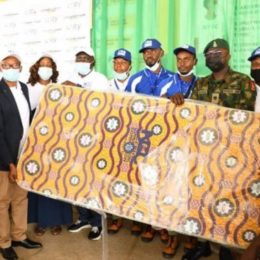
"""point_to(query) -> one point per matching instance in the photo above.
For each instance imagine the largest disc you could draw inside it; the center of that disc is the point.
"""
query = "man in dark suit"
(14, 124)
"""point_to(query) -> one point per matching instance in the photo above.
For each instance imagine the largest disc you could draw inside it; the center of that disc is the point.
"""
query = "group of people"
(18, 102)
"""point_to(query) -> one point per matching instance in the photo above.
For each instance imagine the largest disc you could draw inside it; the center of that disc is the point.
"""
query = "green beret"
(217, 43)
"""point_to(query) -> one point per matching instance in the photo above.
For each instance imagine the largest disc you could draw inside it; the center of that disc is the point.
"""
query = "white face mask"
(154, 67)
(11, 74)
(121, 75)
(45, 73)
(186, 75)
(83, 68)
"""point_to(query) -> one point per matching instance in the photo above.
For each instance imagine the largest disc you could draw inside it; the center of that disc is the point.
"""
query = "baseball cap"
(10, 53)
(123, 53)
(150, 44)
(254, 54)
(88, 50)
(217, 43)
(186, 48)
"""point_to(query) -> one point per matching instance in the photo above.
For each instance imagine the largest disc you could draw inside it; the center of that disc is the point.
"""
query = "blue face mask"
(83, 68)
(11, 74)
(45, 73)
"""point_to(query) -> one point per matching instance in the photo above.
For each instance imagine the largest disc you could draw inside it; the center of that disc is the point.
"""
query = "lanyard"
(116, 84)
(187, 94)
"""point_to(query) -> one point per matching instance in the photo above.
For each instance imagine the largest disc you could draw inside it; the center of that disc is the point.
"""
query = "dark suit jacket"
(11, 129)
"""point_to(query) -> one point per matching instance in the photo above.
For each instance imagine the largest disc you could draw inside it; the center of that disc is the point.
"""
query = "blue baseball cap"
(123, 53)
(254, 54)
(150, 44)
(187, 48)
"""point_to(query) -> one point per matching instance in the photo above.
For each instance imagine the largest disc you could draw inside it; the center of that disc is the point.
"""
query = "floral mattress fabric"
(193, 169)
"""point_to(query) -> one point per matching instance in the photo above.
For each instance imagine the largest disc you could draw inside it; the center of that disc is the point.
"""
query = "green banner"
(127, 23)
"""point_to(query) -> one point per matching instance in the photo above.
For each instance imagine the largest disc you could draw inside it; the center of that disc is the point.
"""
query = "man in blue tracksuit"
(184, 80)
(178, 87)
(147, 80)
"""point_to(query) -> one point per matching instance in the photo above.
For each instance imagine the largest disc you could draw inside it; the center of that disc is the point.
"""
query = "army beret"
(217, 43)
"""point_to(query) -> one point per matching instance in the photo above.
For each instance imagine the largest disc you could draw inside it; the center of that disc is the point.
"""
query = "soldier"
(224, 87)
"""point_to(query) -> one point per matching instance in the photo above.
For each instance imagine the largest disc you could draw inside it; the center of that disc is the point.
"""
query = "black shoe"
(202, 249)
(225, 253)
(78, 225)
(95, 233)
(9, 253)
(27, 243)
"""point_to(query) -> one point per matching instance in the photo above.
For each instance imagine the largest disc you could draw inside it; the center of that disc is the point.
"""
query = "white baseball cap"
(10, 53)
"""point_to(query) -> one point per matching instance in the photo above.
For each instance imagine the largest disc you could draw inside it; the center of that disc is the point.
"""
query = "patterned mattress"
(193, 169)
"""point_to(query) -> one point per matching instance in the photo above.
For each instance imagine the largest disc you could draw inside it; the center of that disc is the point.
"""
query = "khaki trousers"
(13, 211)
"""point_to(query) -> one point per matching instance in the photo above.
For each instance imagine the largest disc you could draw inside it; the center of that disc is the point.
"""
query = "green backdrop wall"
(127, 23)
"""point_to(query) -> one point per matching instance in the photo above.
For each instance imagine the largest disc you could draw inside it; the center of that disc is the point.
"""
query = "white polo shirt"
(116, 85)
(94, 80)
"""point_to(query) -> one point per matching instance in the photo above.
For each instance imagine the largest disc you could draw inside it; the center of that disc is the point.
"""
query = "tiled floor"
(76, 246)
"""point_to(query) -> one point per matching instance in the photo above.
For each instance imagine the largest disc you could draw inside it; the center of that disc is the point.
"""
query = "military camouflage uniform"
(236, 90)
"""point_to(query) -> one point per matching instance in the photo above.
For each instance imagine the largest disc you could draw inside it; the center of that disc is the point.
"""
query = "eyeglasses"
(9, 66)
(214, 54)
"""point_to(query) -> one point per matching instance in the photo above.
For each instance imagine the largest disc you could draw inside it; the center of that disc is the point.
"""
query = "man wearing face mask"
(147, 80)
(85, 75)
(176, 87)
(184, 80)
(255, 74)
(14, 124)
(223, 87)
(121, 72)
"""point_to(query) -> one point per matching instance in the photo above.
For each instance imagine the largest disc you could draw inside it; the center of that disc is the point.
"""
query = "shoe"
(148, 234)
(95, 233)
(115, 226)
(9, 253)
(225, 253)
(202, 249)
(78, 225)
(136, 229)
(55, 231)
(190, 243)
(171, 248)
(39, 231)
(164, 235)
(27, 243)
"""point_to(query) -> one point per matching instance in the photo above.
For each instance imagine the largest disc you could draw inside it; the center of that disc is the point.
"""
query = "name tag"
(203, 92)
(231, 91)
